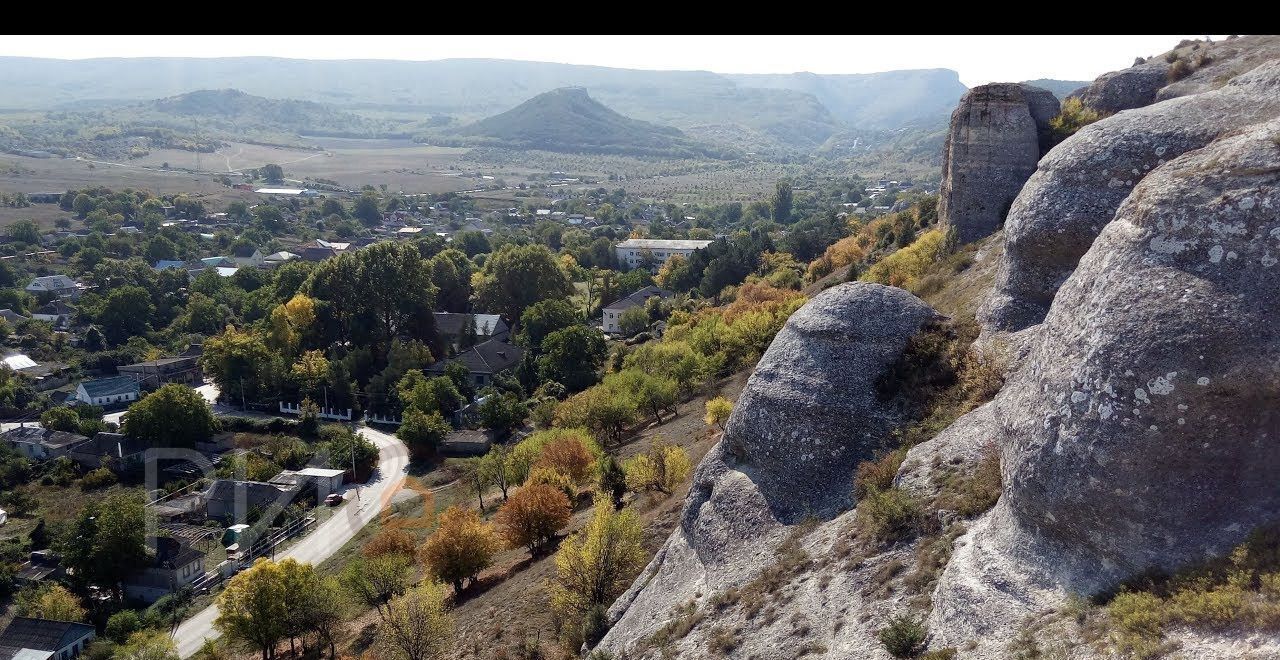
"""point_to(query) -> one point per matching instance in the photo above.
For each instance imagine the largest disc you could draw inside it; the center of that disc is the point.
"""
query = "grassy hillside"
(569, 120)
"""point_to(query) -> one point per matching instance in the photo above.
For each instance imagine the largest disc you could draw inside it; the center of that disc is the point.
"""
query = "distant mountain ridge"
(569, 120)
(796, 110)
(887, 100)
(1060, 88)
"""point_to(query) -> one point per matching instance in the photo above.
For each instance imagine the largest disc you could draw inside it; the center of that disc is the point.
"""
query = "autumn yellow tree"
(252, 607)
(595, 565)
(49, 602)
(569, 456)
(663, 468)
(418, 627)
(390, 541)
(718, 410)
(461, 547)
(310, 370)
(532, 516)
(289, 321)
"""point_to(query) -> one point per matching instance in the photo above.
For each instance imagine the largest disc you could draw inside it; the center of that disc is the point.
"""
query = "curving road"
(330, 536)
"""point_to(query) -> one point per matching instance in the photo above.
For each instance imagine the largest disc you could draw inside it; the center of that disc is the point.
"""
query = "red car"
(334, 499)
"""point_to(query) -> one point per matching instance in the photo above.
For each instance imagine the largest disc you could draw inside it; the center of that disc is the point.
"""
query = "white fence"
(325, 413)
(379, 419)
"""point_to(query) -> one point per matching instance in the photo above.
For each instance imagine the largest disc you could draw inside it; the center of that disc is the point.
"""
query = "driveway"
(363, 505)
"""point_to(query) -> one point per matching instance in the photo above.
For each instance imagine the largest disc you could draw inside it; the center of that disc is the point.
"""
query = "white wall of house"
(611, 318)
(104, 400)
(633, 257)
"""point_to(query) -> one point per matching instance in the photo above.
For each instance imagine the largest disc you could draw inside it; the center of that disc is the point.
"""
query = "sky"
(978, 59)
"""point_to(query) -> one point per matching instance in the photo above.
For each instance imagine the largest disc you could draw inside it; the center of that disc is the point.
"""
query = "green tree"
(269, 217)
(147, 645)
(429, 395)
(502, 411)
(341, 444)
(272, 173)
(126, 313)
(49, 602)
(105, 543)
(241, 364)
(374, 581)
(451, 274)
(122, 624)
(782, 203)
(517, 276)
(632, 321)
(543, 318)
(418, 627)
(396, 292)
(473, 242)
(423, 432)
(173, 416)
(252, 607)
(612, 480)
(82, 205)
(572, 357)
(61, 418)
(366, 210)
(24, 231)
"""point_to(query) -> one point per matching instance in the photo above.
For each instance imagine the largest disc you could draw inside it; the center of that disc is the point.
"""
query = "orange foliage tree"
(532, 516)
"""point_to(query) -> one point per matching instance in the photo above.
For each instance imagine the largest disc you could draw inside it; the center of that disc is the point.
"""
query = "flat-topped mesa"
(996, 137)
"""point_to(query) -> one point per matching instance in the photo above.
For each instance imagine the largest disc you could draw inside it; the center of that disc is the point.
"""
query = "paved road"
(330, 536)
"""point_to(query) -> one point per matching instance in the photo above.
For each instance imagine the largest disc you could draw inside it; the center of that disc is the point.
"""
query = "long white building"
(634, 251)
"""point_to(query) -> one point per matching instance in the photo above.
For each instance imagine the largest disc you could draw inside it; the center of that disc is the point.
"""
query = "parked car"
(334, 499)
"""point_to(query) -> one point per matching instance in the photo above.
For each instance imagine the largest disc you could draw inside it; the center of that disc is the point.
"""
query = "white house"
(56, 312)
(613, 311)
(60, 285)
(636, 251)
(44, 639)
(247, 255)
(108, 391)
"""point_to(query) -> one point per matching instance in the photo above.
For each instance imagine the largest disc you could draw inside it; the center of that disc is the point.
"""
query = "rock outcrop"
(1126, 89)
(1141, 431)
(1081, 182)
(808, 415)
(997, 134)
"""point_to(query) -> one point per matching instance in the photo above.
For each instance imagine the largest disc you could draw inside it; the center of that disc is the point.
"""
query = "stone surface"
(997, 134)
(810, 412)
(1141, 431)
(1126, 89)
(1081, 182)
(807, 416)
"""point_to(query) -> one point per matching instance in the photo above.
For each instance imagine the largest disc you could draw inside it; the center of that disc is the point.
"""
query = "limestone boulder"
(1078, 186)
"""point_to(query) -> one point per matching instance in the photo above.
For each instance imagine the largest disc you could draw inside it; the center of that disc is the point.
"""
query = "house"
(11, 316)
(40, 444)
(638, 251)
(154, 373)
(176, 565)
(108, 391)
(215, 262)
(325, 480)
(56, 312)
(44, 639)
(484, 360)
(613, 311)
(276, 258)
(166, 264)
(488, 326)
(226, 272)
(59, 285)
(408, 232)
(247, 255)
(466, 442)
(319, 250)
(232, 500)
(42, 376)
(120, 448)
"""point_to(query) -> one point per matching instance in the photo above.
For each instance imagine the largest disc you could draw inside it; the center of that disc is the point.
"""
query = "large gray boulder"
(1134, 87)
(1142, 430)
(1081, 182)
(808, 415)
(997, 134)
(810, 412)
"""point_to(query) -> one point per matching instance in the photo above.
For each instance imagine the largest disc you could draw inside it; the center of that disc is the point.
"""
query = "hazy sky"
(978, 59)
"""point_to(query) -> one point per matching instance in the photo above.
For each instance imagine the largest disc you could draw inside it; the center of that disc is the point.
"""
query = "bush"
(663, 468)
(1178, 70)
(99, 478)
(877, 475)
(1073, 116)
(890, 515)
(390, 541)
(122, 624)
(903, 637)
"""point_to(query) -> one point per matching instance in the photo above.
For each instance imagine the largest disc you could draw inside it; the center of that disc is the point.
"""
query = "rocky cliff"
(1135, 435)
(1079, 185)
(996, 136)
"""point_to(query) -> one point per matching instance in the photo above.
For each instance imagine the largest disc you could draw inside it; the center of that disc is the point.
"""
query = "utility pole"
(242, 404)
(353, 464)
